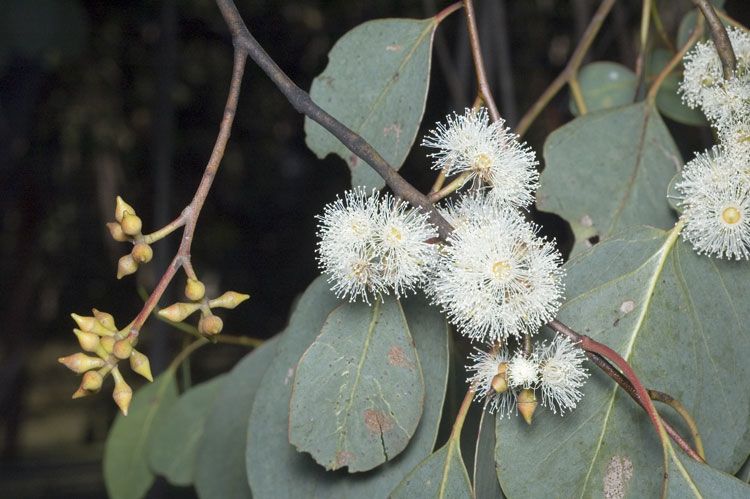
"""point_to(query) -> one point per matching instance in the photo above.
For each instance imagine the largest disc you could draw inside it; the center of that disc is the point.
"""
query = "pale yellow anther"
(731, 215)
(501, 269)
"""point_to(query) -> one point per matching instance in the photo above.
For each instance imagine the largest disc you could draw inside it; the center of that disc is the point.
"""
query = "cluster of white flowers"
(370, 245)
(489, 153)
(715, 188)
(555, 369)
(495, 278)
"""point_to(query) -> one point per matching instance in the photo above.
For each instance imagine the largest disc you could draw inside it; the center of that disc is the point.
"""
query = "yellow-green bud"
(80, 362)
(89, 341)
(139, 363)
(122, 393)
(80, 393)
(91, 325)
(230, 299)
(194, 289)
(122, 349)
(92, 381)
(210, 325)
(105, 319)
(121, 207)
(107, 343)
(527, 404)
(115, 230)
(131, 224)
(142, 253)
(126, 266)
(178, 312)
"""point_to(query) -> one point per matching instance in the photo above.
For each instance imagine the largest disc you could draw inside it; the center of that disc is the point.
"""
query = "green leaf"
(126, 471)
(173, 443)
(681, 321)
(608, 170)
(673, 194)
(605, 85)
(668, 100)
(486, 484)
(220, 470)
(358, 390)
(376, 84)
(275, 469)
(443, 475)
(688, 478)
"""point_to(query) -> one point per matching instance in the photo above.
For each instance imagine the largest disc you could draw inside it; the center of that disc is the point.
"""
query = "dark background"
(125, 97)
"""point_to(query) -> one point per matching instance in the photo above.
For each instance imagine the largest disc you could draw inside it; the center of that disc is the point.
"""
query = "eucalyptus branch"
(617, 376)
(476, 52)
(244, 42)
(576, 59)
(189, 216)
(719, 36)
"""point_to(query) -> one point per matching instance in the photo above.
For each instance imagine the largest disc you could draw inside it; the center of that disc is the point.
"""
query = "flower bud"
(499, 383)
(142, 253)
(107, 343)
(126, 266)
(121, 207)
(92, 381)
(139, 363)
(115, 230)
(122, 393)
(80, 362)
(527, 404)
(230, 299)
(122, 349)
(194, 289)
(178, 312)
(210, 325)
(105, 320)
(80, 393)
(89, 341)
(92, 325)
(131, 224)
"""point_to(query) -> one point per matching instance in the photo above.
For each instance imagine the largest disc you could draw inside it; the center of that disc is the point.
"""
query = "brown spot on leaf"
(343, 458)
(397, 357)
(393, 48)
(378, 421)
(627, 306)
(586, 221)
(617, 477)
(353, 160)
(394, 129)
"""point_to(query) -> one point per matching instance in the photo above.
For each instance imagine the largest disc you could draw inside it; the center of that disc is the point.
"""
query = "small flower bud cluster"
(494, 277)
(209, 324)
(127, 227)
(370, 246)
(99, 335)
(715, 185)
(510, 383)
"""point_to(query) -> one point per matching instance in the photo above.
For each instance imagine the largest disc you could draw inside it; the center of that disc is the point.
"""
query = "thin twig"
(684, 414)
(616, 375)
(301, 101)
(570, 69)
(476, 53)
(719, 36)
(674, 61)
(192, 211)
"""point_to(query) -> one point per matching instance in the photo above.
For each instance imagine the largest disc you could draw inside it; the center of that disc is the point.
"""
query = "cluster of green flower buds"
(127, 227)
(99, 335)
(195, 291)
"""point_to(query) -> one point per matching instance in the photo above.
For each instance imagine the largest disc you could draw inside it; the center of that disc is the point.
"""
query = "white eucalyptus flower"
(716, 204)
(703, 84)
(402, 237)
(370, 246)
(488, 376)
(523, 371)
(561, 374)
(496, 278)
(489, 152)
